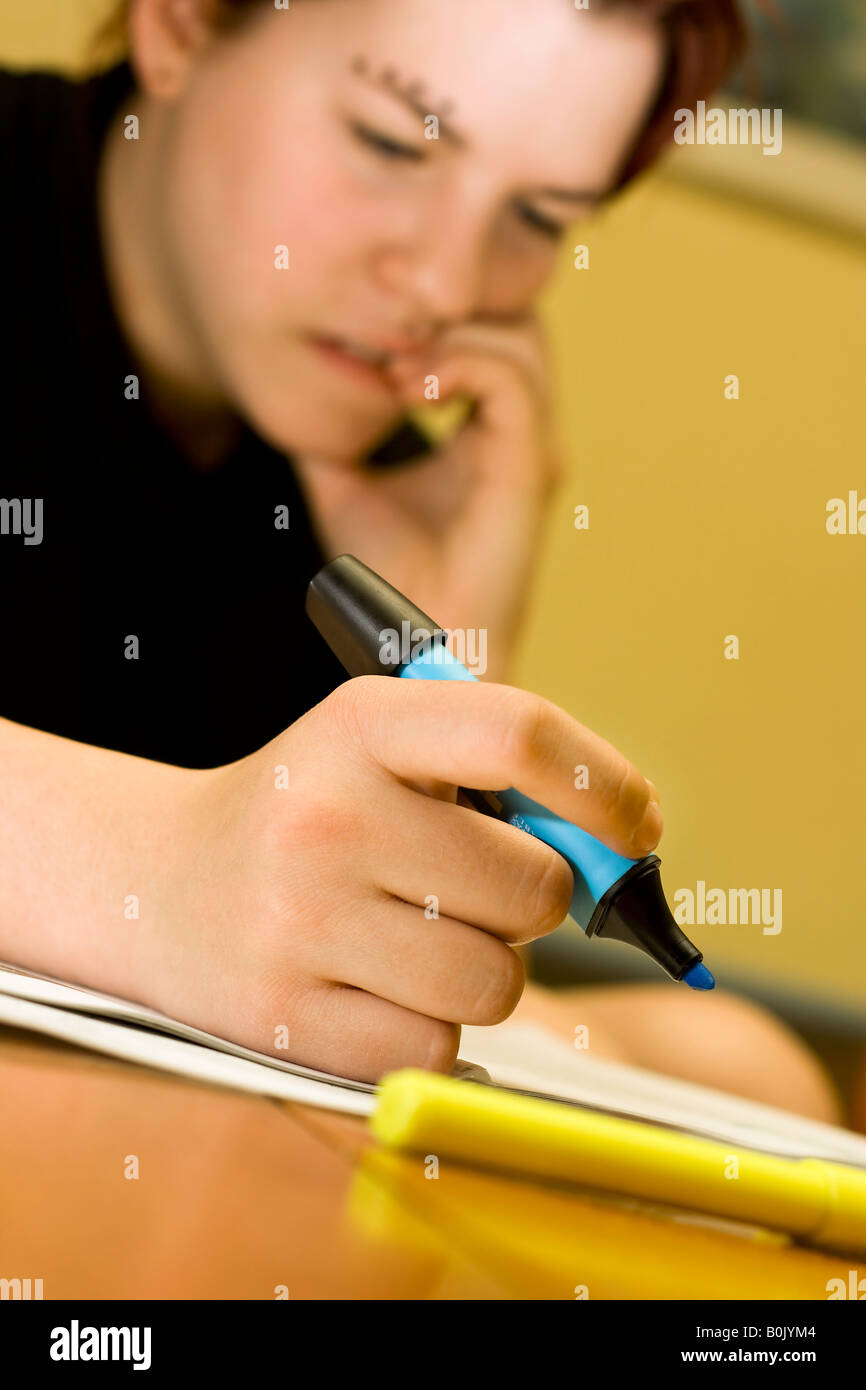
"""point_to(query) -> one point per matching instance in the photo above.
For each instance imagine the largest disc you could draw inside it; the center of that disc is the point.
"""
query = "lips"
(363, 361)
(357, 365)
(362, 352)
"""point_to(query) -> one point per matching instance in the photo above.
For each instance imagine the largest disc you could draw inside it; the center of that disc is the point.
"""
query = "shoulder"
(50, 128)
(20, 85)
(31, 100)
(36, 125)
(51, 124)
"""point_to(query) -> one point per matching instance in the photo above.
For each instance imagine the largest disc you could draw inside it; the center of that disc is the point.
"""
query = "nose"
(438, 268)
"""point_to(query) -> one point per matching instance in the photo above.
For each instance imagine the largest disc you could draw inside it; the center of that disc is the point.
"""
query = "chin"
(338, 436)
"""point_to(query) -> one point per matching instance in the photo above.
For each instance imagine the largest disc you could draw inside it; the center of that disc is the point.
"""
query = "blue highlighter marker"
(614, 898)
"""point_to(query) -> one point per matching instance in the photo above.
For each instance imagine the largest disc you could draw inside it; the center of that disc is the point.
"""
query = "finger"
(522, 344)
(347, 1032)
(491, 736)
(524, 336)
(432, 965)
(472, 368)
(476, 869)
(506, 409)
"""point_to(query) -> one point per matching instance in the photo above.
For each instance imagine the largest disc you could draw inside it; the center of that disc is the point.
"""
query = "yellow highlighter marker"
(820, 1202)
(440, 421)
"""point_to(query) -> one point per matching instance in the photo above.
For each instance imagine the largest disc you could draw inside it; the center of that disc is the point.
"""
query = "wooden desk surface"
(238, 1196)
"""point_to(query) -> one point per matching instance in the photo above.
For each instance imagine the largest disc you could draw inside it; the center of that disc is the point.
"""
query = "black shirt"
(137, 542)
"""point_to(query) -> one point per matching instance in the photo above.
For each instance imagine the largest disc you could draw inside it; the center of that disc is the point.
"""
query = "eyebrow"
(412, 95)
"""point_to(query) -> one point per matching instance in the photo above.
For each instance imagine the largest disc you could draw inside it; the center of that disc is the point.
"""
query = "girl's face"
(308, 129)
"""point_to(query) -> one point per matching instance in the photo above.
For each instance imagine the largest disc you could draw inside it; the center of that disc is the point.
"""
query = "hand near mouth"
(457, 530)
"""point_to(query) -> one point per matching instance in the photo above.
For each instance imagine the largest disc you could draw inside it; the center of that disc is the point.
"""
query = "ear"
(165, 37)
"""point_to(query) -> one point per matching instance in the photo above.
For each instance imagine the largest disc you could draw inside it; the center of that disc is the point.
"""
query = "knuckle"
(443, 1043)
(319, 821)
(554, 887)
(338, 821)
(324, 812)
(525, 723)
(351, 705)
(277, 998)
(505, 978)
(626, 796)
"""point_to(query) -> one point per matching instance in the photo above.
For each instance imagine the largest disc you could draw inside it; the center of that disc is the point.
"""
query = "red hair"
(705, 39)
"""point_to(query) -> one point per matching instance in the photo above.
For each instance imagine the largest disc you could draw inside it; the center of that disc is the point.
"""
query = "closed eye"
(548, 226)
(384, 145)
(393, 150)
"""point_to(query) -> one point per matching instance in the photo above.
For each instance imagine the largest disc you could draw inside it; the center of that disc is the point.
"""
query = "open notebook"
(518, 1056)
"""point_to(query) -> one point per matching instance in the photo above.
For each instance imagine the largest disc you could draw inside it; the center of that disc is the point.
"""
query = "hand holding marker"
(614, 898)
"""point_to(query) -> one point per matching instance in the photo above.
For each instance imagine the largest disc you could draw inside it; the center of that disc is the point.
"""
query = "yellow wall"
(707, 517)
(50, 33)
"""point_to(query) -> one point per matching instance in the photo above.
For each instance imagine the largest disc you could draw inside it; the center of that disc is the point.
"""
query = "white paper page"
(44, 989)
(138, 1021)
(153, 1049)
(518, 1056)
(524, 1057)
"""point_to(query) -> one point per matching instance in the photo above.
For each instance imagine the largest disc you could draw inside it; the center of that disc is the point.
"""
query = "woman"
(265, 239)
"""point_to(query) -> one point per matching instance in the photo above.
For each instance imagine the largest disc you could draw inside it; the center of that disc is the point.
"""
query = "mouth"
(358, 360)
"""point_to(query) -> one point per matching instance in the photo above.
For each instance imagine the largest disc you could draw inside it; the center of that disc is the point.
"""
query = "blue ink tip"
(699, 977)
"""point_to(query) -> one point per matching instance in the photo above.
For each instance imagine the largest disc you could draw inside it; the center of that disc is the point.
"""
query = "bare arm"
(85, 832)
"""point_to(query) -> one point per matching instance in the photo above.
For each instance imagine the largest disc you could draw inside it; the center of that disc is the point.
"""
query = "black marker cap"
(353, 607)
(634, 910)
